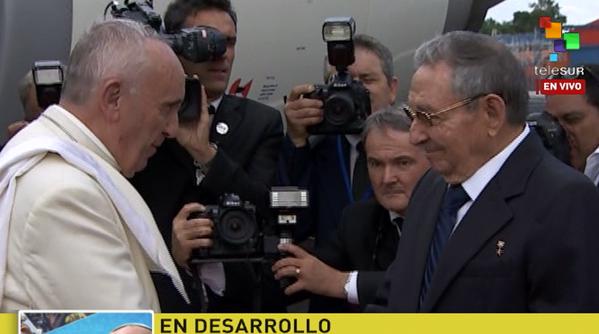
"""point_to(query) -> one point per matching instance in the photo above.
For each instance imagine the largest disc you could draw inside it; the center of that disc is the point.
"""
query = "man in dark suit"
(333, 167)
(498, 224)
(233, 151)
(352, 266)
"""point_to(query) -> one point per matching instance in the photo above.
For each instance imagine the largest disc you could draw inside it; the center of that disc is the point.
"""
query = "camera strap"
(345, 174)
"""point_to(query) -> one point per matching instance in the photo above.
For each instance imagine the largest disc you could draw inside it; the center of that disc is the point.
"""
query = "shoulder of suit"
(551, 173)
(250, 105)
(55, 170)
(429, 179)
(362, 208)
(54, 177)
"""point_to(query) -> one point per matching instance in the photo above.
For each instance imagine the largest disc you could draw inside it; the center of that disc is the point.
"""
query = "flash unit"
(338, 29)
(48, 78)
(47, 72)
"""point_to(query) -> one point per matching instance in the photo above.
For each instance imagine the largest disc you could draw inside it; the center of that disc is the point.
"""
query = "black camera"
(197, 44)
(346, 102)
(551, 133)
(236, 230)
(239, 236)
(48, 78)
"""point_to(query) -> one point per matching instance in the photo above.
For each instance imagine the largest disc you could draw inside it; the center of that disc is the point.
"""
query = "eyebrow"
(422, 106)
(573, 113)
(172, 103)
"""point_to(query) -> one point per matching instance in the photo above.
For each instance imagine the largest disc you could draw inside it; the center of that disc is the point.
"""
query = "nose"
(418, 134)
(171, 126)
(389, 175)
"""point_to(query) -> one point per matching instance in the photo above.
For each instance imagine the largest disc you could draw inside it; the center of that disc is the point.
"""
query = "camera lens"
(339, 109)
(236, 227)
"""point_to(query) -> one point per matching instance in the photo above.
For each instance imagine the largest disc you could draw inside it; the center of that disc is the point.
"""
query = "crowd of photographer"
(179, 197)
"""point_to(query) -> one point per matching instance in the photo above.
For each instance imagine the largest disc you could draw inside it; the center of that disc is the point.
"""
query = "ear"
(495, 113)
(393, 89)
(111, 92)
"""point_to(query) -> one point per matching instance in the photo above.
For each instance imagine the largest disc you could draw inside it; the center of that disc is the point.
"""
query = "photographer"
(317, 163)
(353, 265)
(31, 108)
(579, 116)
(233, 150)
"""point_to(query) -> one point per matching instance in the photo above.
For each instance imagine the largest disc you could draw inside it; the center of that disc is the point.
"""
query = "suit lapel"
(413, 248)
(470, 236)
(488, 214)
(228, 116)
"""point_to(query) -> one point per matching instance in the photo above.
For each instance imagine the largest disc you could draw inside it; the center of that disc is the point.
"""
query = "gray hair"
(480, 64)
(132, 324)
(380, 50)
(113, 47)
(388, 118)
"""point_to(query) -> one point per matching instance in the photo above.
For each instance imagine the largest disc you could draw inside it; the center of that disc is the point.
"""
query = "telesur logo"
(562, 43)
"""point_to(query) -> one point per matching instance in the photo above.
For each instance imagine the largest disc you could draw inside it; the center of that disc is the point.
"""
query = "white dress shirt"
(479, 180)
(592, 167)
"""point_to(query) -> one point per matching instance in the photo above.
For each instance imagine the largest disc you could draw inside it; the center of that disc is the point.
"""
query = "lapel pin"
(500, 245)
(222, 128)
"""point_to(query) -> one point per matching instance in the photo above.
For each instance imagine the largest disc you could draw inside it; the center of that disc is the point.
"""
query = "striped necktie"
(455, 197)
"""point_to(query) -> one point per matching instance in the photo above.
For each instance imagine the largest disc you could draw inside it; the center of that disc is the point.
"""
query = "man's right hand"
(189, 234)
(300, 113)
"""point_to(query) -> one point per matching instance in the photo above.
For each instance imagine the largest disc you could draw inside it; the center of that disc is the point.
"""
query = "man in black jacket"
(233, 151)
(352, 266)
(498, 224)
(332, 167)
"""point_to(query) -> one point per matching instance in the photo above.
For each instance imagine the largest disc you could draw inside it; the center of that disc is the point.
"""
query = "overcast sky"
(578, 12)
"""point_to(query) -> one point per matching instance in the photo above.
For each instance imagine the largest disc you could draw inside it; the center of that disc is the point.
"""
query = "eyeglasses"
(431, 118)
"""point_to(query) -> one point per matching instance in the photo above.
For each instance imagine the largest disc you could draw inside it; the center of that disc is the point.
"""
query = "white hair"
(109, 48)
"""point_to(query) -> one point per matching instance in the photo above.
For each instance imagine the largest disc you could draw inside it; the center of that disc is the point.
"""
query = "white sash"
(17, 160)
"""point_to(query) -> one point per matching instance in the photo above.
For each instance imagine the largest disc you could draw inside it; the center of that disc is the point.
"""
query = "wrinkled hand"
(194, 135)
(300, 113)
(190, 234)
(313, 275)
(15, 127)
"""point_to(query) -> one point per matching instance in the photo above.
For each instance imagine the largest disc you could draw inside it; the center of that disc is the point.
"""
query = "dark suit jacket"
(366, 241)
(245, 164)
(316, 167)
(546, 215)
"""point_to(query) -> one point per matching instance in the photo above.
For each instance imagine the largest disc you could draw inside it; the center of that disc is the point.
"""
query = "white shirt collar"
(216, 103)
(479, 180)
(353, 140)
(393, 215)
(591, 168)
